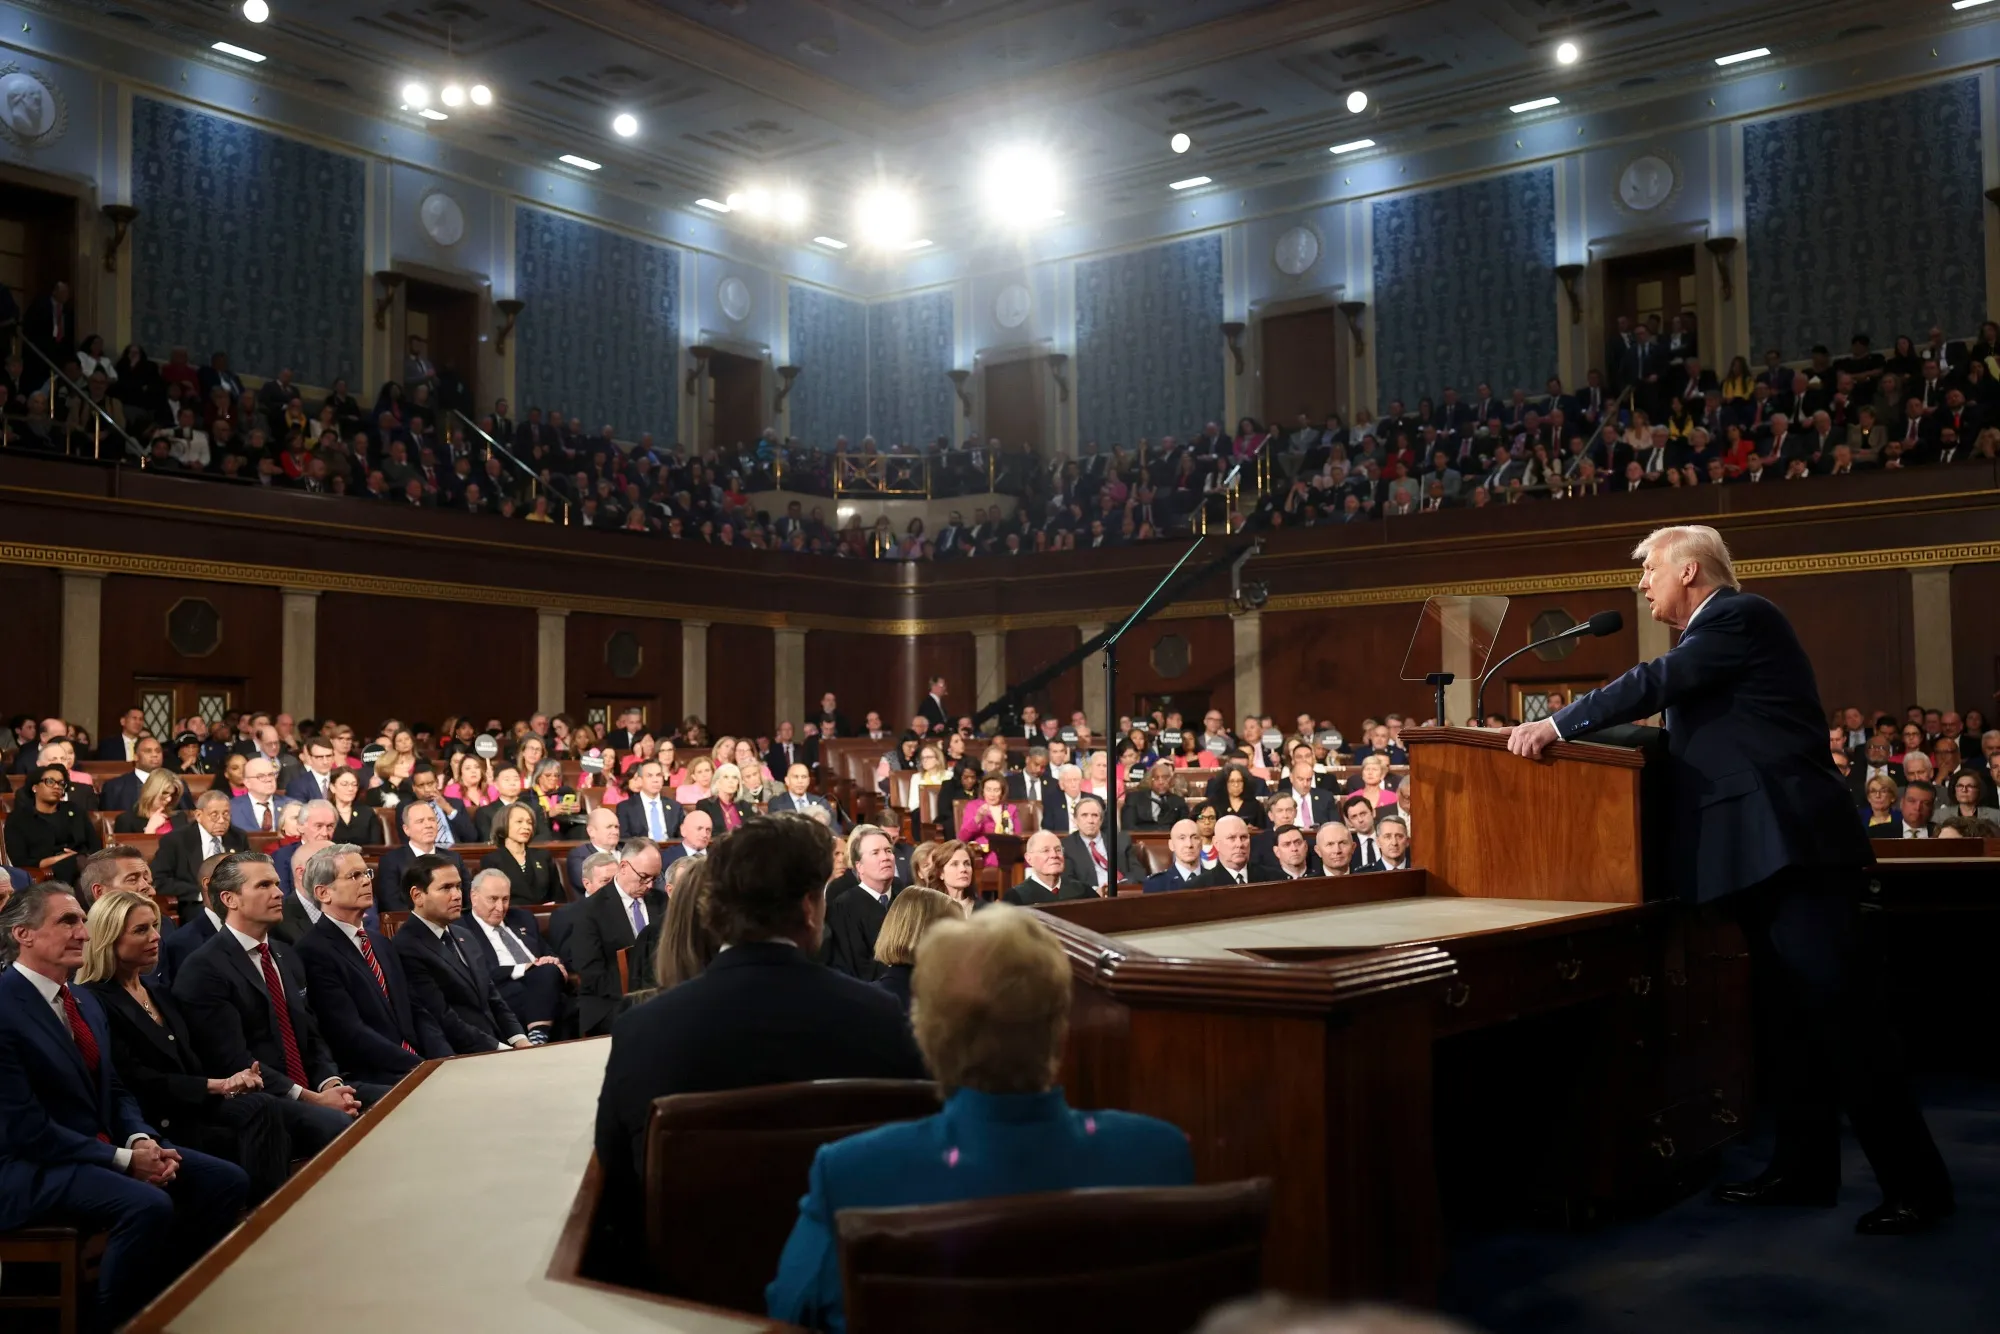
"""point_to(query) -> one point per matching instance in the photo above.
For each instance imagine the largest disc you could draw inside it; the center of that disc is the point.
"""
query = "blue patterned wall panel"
(1465, 287)
(829, 340)
(247, 243)
(1149, 349)
(909, 350)
(1866, 218)
(600, 338)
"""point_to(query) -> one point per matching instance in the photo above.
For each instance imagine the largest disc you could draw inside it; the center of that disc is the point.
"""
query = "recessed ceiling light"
(452, 95)
(791, 206)
(482, 96)
(256, 10)
(829, 243)
(1357, 101)
(625, 124)
(1567, 53)
(416, 95)
(1535, 105)
(713, 205)
(1180, 143)
(885, 217)
(230, 49)
(1742, 56)
(1190, 183)
(432, 113)
(1352, 146)
(1968, 4)
(583, 162)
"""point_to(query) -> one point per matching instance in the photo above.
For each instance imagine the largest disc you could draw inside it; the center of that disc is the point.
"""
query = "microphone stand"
(1479, 705)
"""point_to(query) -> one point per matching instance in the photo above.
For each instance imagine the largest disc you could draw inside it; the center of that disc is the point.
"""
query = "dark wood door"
(37, 251)
(1013, 404)
(736, 395)
(447, 318)
(1301, 369)
(1657, 285)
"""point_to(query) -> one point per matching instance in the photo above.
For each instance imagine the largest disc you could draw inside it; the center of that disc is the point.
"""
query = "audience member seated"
(912, 914)
(507, 779)
(1232, 855)
(854, 918)
(155, 808)
(257, 809)
(531, 875)
(77, 1150)
(126, 792)
(1044, 880)
(1913, 818)
(697, 835)
(508, 947)
(195, 928)
(687, 943)
(47, 829)
(1333, 847)
(245, 1001)
(1358, 812)
(437, 957)
(991, 814)
(764, 1011)
(154, 1052)
(1291, 855)
(798, 795)
(420, 839)
(992, 1001)
(1392, 842)
(1087, 863)
(600, 835)
(1184, 842)
(951, 873)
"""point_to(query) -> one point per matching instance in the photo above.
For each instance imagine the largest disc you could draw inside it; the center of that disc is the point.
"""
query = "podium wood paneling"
(1489, 824)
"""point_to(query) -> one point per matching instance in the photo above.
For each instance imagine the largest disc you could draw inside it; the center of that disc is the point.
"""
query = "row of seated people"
(1935, 774)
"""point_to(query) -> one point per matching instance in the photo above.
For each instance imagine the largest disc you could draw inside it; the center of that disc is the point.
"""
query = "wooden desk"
(442, 1210)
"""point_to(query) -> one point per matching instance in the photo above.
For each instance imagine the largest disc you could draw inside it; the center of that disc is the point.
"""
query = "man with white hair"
(256, 811)
(506, 942)
(302, 909)
(1044, 882)
(1765, 825)
(1232, 855)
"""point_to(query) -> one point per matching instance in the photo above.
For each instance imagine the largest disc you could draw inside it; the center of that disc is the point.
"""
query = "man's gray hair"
(215, 796)
(1692, 542)
(631, 848)
(595, 860)
(488, 874)
(321, 867)
(319, 806)
(28, 907)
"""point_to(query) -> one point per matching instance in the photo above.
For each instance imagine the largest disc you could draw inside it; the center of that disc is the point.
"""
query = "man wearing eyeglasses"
(359, 990)
(625, 915)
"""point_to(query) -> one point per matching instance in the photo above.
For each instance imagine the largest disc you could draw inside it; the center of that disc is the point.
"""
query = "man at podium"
(1762, 819)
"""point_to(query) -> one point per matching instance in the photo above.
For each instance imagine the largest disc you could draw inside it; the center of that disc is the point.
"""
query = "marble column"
(788, 677)
(989, 665)
(694, 669)
(1093, 678)
(298, 670)
(1247, 631)
(82, 647)
(1930, 616)
(551, 661)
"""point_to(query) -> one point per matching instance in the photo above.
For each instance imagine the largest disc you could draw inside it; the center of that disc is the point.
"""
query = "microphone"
(1603, 623)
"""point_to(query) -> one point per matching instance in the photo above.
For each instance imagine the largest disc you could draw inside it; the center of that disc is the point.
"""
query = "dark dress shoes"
(1774, 1189)
(1899, 1218)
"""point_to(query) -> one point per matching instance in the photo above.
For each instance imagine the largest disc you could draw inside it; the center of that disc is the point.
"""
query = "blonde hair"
(991, 1001)
(161, 782)
(1882, 781)
(910, 916)
(1691, 542)
(106, 921)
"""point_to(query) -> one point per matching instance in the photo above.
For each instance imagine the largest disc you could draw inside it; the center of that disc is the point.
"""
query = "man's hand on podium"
(1531, 739)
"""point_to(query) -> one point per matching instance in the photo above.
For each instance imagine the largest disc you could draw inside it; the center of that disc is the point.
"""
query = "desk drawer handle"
(1664, 1146)
(1568, 969)
(1725, 1116)
(1457, 994)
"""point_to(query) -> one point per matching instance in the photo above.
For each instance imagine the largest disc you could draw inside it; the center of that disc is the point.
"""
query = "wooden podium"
(1293, 1029)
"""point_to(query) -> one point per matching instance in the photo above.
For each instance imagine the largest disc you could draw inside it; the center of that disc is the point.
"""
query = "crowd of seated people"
(1931, 774)
(1654, 416)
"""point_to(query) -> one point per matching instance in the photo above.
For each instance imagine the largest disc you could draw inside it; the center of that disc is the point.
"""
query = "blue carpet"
(1703, 1267)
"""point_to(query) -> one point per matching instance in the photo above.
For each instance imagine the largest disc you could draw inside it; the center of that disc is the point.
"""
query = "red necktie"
(368, 957)
(295, 1069)
(264, 821)
(86, 1041)
(1097, 854)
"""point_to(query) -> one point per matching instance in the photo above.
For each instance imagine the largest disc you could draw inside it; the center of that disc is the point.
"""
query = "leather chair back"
(1155, 848)
(1101, 1261)
(725, 1171)
(1030, 813)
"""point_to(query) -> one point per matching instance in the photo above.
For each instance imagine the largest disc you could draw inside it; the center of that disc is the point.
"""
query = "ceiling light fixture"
(916, 245)
(582, 162)
(625, 124)
(1567, 53)
(1535, 105)
(1352, 146)
(1742, 56)
(1020, 185)
(452, 95)
(885, 216)
(231, 49)
(256, 10)
(416, 95)
(1969, 4)
(790, 207)
(1180, 143)
(482, 96)
(1190, 183)
(712, 205)
(432, 113)
(830, 243)
(1357, 101)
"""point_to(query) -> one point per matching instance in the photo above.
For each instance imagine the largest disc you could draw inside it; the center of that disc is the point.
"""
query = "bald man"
(1232, 855)
(1184, 841)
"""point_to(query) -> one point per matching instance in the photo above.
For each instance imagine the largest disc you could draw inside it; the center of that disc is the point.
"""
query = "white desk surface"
(444, 1217)
(1355, 926)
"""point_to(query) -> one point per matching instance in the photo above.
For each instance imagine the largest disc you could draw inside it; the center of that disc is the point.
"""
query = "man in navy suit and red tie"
(1764, 823)
(75, 1151)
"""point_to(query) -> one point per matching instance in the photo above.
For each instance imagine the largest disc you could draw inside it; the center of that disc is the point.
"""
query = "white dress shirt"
(1095, 845)
(211, 846)
(499, 936)
(445, 936)
(51, 992)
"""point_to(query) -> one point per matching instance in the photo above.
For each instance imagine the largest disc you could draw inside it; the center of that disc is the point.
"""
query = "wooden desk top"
(1353, 926)
(440, 1215)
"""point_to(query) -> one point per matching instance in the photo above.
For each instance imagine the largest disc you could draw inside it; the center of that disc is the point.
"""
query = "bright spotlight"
(1020, 186)
(1357, 101)
(452, 96)
(791, 207)
(1180, 143)
(482, 96)
(885, 216)
(1567, 53)
(625, 124)
(256, 10)
(755, 201)
(416, 95)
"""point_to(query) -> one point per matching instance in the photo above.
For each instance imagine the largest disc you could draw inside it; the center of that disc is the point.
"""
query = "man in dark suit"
(1288, 858)
(1764, 825)
(123, 744)
(931, 707)
(1156, 805)
(593, 875)
(1184, 841)
(784, 751)
(629, 726)
(437, 959)
(649, 810)
(1087, 862)
(1392, 846)
(420, 835)
(121, 792)
(764, 1012)
(1232, 856)
(623, 914)
(49, 324)
(77, 1151)
(359, 991)
(600, 834)
(508, 947)
(1913, 818)
(487, 818)
(1641, 368)
(797, 798)
(855, 918)
(309, 784)
(245, 998)
(1045, 881)
(194, 929)
(181, 852)
(1033, 781)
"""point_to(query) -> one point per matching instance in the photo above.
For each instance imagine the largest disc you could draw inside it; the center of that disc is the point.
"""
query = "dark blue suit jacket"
(1162, 881)
(981, 1145)
(51, 1109)
(187, 937)
(1754, 788)
(365, 1031)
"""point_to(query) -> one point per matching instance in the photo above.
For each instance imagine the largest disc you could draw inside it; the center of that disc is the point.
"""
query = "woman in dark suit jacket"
(154, 1051)
(47, 828)
(353, 822)
(531, 876)
(726, 809)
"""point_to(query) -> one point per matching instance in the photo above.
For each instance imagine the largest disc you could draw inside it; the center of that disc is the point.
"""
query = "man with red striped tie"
(245, 997)
(74, 1151)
